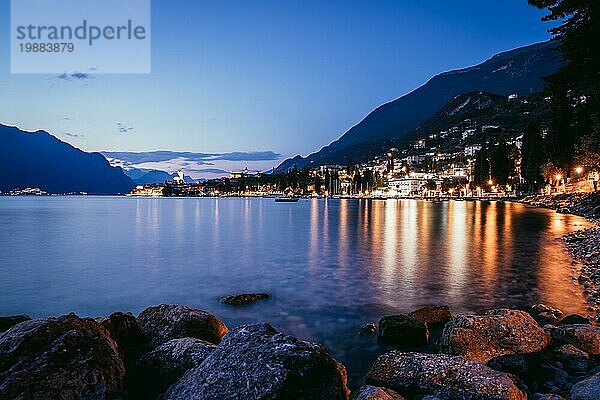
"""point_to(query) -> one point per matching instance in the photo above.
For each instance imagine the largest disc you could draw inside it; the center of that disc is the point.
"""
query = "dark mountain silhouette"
(42, 161)
(518, 71)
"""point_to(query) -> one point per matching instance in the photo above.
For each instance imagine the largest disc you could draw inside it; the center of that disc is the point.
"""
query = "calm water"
(331, 265)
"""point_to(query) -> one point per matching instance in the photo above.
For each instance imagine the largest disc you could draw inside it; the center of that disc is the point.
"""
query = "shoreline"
(175, 352)
(582, 245)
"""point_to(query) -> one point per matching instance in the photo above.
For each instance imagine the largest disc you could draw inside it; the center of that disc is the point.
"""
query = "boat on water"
(286, 199)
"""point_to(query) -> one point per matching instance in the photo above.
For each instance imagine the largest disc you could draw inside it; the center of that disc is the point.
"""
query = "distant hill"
(518, 71)
(151, 176)
(41, 160)
(495, 113)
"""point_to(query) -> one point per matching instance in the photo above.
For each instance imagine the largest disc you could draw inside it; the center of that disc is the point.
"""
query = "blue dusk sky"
(283, 77)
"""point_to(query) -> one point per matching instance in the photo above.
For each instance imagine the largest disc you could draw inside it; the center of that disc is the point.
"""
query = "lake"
(331, 265)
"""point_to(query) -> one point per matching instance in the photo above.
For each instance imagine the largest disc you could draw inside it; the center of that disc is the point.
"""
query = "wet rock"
(496, 333)
(584, 337)
(574, 319)
(547, 396)
(573, 360)
(403, 330)
(258, 362)
(155, 371)
(443, 376)
(127, 332)
(587, 389)
(60, 358)
(8, 322)
(171, 321)
(432, 315)
(545, 315)
(375, 393)
(368, 329)
(245, 298)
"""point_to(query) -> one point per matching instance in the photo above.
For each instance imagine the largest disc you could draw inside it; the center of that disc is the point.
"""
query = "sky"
(277, 77)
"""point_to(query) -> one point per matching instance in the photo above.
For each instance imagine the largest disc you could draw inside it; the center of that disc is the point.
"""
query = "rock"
(545, 315)
(375, 393)
(496, 333)
(403, 330)
(547, 396)
(584, 337)
(368, 329)
(8, 322)
(432, 315)
(587, 389)
(244, 299)
(258, 362)
(155, 371)
(574, 319)
(127, 332)
(443, 376)
(573, 360)
(171, 321)
(60, 358)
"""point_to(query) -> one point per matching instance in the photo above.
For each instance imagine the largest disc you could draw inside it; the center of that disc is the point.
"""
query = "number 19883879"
(47, 47)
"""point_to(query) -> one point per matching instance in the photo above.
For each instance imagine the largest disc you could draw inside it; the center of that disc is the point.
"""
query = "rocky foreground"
(173, 352)
(584, 244)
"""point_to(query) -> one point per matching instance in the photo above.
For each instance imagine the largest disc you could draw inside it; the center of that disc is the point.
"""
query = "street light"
(490, 182)
(558, 177)
(579, 170)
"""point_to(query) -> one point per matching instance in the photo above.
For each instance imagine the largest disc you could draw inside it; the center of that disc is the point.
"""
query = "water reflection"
(330, 264)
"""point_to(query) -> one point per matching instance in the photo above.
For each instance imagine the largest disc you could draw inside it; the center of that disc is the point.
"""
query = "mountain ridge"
(41, 160)
(517, 71)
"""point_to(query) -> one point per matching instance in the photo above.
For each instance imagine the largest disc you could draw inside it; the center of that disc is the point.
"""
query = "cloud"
(209, 171)
(73, 135)
(75, 76)
(197, 158)
(123, 128)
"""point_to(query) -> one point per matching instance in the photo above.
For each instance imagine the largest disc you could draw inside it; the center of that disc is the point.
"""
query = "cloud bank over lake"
(197, 165)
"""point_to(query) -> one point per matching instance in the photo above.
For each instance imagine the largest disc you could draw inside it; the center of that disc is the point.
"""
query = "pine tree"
(578, 40)
(532, 155)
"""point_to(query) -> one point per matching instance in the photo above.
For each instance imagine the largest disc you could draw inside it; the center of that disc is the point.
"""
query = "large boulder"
(497, 332)
(587, 389)
(375, 393)
(127, 332)
(60, 358)
(584, 337)
(8, 322)
(155, 371)
(403, 330)
(171, 321)
(432, 315)
(258, 362)
(443, 376)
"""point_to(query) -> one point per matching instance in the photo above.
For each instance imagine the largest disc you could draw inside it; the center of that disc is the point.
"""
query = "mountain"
(40, 160)
(518, 71)
(479, 111)
(143, 176)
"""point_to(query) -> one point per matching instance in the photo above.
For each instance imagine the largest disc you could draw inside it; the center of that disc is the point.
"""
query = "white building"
(472, 149)
(405, 187)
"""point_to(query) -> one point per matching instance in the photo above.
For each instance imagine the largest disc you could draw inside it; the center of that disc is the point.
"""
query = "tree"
(481, 172)
(577, 38)
(532, 155)
(318, 183)
(560, 142)
(588, 152)
(501, 166)
(550, 172)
